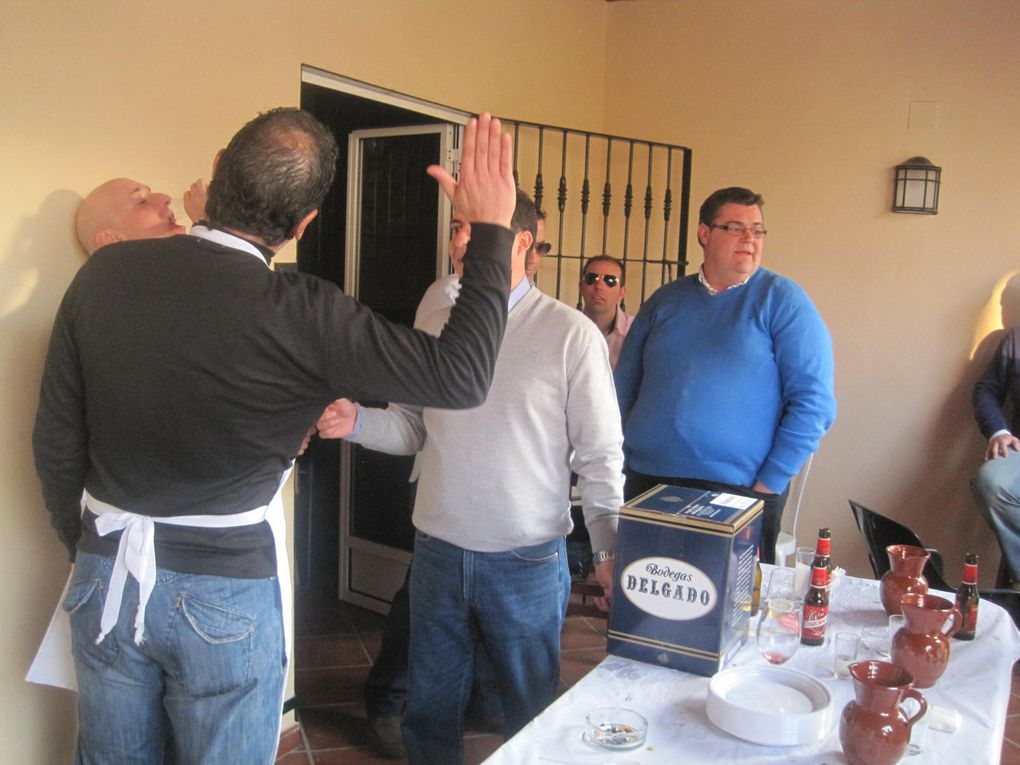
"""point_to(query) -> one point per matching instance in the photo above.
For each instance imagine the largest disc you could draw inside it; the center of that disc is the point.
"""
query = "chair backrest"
(879, 532)
(786, 541)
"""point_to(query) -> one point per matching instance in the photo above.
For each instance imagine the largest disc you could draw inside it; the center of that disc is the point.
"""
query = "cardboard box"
(684, 575)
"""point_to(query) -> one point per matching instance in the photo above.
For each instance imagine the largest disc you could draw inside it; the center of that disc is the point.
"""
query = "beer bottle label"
(970, 616)
(815, 618)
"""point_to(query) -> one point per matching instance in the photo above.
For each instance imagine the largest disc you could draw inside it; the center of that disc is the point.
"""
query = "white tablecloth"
(976, 684)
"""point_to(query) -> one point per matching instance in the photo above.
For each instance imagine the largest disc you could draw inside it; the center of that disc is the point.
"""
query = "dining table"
(976, 685)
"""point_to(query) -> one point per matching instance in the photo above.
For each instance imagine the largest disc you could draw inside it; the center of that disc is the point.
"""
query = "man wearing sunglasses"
(725, 380)
(603, 288)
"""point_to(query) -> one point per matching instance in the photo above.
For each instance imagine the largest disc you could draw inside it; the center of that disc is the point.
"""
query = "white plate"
(769, 705)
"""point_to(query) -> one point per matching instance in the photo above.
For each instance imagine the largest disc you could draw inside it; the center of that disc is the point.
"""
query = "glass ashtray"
(615, 729)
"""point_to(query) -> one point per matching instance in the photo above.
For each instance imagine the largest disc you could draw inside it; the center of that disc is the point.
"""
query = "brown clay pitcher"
(921, 646)
(904, 576)
(874, 729)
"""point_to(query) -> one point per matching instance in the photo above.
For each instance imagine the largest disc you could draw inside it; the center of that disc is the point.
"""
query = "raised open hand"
(485, 191)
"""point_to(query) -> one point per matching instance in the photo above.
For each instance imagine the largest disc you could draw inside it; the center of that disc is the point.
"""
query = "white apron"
(54, 661)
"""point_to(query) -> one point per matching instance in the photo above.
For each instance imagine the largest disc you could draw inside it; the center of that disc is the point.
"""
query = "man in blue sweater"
(725, 380)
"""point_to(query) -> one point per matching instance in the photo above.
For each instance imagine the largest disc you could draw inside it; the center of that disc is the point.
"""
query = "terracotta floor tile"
(359, 756)
(332, 685)
(577, 663)
(295, 758)
(338, 726)
(326, 620)
(1013, 729)
(582, 633)
(478, 748)
(1010, 753)
(372, 641)
(320, 651)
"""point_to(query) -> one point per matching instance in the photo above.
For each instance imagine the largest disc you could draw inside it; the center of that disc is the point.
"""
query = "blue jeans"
(208, 676)
(513, 604)
(386, 686)
(997, 486)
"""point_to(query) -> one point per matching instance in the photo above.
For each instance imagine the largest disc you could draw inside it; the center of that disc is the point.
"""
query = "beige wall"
(807, 102)
(151, 90)
(804, 101)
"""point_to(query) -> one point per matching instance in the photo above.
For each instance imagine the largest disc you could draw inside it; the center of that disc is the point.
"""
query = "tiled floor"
(336, 643)
(334, 647)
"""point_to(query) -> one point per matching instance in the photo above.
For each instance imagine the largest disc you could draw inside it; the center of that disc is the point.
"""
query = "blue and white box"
(685, 564)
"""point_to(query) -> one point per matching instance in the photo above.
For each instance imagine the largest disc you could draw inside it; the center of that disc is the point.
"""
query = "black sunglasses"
(608, 279)
(543, 248)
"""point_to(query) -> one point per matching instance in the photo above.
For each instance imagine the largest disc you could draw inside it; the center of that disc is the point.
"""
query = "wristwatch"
(602, 556)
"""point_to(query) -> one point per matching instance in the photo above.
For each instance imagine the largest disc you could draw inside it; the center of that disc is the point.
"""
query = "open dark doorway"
(401, 253)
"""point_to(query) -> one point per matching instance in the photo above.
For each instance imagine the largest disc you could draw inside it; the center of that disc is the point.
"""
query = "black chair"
(879, 532)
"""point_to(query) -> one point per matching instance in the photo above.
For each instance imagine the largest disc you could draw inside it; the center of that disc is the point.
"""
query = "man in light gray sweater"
(492, 508)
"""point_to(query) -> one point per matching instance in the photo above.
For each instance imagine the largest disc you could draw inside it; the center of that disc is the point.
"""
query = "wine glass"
(781, 585)
(779, 630)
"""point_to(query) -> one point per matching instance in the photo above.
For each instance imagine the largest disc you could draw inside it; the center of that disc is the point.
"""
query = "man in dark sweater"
(181, 378)
(997, 484)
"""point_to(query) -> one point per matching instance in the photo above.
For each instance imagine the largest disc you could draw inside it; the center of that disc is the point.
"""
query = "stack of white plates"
(770, 705)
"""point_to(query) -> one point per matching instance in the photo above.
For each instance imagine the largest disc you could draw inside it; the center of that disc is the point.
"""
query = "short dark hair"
(732, 194)
(607, 259)
(275, 170)
(525, 216)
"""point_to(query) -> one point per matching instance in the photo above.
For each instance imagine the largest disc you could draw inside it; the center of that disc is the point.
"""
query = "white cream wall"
(807, 102)
(151, 90)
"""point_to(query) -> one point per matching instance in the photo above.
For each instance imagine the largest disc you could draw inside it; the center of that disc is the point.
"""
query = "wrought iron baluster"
(648, 216)
(561, 205)
(517, 146)
(607, 195)
(667, 205)
(685, 212)
(538, 174)
(585, 196)
(628, 199)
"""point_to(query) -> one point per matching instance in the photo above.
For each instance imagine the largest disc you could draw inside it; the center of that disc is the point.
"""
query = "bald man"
(122, 209)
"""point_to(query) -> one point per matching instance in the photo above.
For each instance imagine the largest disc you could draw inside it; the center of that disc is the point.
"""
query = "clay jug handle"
(955, 624)
(922, 705)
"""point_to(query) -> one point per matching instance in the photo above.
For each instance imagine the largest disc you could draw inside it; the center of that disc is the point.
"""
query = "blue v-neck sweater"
(736, 387)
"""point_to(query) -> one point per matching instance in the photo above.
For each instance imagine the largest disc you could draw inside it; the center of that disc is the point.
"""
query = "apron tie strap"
(136, 552)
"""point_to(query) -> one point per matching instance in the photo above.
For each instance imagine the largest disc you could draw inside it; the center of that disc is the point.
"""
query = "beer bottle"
(816, 606)
(822, 555)
(967, 598)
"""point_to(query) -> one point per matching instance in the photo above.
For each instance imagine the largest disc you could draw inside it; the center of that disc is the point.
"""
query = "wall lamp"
(917, 187)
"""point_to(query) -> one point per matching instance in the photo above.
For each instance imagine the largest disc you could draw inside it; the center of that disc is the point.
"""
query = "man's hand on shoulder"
(338, 419)
(195, 199)
(999, 446)
(485, 191)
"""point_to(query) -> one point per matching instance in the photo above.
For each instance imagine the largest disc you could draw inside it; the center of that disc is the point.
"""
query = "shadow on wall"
(956, 445)
(36, 267)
